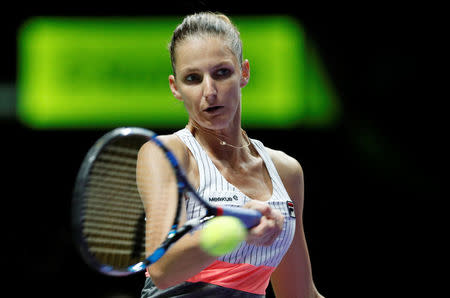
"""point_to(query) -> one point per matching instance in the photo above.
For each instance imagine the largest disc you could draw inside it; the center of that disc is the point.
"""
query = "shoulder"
(289, 169)
(291, 174)
(173, 143)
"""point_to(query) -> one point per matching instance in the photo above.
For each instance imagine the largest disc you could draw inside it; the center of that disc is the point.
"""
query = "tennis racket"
(119, 210)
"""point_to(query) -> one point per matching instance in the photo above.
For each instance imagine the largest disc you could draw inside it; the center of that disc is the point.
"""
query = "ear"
(245, 73)
(173, 87)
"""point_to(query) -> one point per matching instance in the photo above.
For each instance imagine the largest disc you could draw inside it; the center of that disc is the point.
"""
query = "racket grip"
(249, 217)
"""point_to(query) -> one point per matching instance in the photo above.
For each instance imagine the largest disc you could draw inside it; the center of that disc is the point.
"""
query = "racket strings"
(114, 220)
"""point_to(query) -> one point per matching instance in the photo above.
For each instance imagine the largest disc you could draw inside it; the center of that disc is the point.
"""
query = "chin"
(218, 124)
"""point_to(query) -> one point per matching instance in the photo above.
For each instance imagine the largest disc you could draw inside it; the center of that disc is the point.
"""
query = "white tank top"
(217, 190)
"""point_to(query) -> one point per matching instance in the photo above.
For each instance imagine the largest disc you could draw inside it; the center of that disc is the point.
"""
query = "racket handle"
(249, 217)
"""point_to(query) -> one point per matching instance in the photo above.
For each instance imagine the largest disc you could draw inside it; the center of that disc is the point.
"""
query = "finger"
(272, 233)
(256, 234)
(265, 233)
(259, 206)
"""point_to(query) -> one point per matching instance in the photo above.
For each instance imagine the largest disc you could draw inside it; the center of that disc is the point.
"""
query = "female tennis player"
(228, 168)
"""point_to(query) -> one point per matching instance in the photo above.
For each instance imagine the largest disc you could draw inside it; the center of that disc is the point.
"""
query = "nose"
(209, 88)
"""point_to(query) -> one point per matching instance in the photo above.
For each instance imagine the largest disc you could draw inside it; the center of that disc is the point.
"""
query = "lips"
(213, 109)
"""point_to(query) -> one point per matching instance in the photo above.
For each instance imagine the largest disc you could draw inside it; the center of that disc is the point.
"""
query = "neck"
(220, 140)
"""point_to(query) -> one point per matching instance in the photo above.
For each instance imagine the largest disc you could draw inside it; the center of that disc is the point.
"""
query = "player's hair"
(207, 24)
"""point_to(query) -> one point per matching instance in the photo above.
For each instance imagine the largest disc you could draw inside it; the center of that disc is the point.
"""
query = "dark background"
(374, 182)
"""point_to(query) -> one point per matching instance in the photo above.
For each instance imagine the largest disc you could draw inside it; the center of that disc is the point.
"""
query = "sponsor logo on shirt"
(290, 207)
(223, 199)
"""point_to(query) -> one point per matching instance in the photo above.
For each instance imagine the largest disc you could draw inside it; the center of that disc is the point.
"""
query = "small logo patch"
(290, 207)
(223, 199)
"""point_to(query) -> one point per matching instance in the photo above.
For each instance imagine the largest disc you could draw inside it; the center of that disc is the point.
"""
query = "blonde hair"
(207, 24)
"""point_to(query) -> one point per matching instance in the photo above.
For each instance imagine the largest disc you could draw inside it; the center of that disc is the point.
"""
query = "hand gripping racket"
(114, 220)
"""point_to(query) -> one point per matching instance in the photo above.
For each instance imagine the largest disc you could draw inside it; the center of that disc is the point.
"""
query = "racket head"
(108, 214)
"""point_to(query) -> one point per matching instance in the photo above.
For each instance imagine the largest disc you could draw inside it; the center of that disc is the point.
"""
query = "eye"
(192, 78)
(222, 73)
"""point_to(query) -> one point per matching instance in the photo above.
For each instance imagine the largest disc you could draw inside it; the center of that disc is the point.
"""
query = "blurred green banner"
(108, 72)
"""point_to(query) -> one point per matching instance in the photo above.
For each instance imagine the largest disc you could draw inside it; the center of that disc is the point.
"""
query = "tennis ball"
(222, 234)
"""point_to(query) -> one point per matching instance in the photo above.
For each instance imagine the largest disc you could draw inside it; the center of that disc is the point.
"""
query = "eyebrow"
(189, 69)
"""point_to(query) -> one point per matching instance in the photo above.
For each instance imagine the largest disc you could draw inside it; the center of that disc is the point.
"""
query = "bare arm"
(185, 258)
(293, 277)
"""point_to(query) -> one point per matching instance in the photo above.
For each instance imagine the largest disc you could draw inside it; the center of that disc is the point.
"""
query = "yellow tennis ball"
(222, 234)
